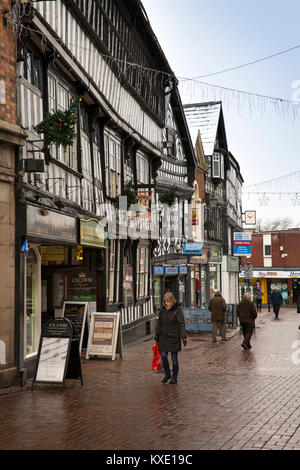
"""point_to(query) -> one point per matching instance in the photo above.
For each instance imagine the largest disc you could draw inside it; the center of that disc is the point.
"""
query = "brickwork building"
(11, 136)
(276, 262)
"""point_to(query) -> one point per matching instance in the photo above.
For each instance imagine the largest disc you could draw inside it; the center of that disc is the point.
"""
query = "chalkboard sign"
(58, 355)
(105, 336)
(77, 312)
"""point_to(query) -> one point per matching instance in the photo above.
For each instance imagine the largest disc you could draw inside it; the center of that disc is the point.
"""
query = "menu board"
(104, 335)
(76, 312)
(53, 360)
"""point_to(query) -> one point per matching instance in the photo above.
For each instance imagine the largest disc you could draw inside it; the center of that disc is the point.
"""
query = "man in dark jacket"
(247, 314)
(276, 301)
(217, 307)
(169, 334)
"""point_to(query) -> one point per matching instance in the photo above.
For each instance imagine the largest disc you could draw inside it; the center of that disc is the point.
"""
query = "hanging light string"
(245, 65)
(190, 86)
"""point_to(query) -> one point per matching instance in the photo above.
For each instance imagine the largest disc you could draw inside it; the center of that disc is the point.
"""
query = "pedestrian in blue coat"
(276, 301)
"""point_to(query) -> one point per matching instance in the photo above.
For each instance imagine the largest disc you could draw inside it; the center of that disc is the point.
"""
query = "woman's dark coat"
(170, 329)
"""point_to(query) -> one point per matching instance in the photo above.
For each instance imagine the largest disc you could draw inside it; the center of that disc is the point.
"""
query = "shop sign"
(171, 270)
(158, 271)
(233, 264)
(92, 233)
(50, 225)
(58, 355)
(183, 270)
(82, 286)
(242, 244)
(76, 312)
(192, 249)
(105, 337)
(215, 254)
(200, 259)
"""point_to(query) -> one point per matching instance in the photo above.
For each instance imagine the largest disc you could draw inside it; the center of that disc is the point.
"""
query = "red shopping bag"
(156, 362)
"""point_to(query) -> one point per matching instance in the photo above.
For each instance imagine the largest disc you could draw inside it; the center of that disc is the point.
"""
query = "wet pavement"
(225, 398)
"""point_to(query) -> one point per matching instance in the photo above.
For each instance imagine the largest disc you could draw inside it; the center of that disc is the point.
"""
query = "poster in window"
(128, 285)
(82, 286)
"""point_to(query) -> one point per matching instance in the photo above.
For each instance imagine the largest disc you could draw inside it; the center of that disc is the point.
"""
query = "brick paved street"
(226, 398)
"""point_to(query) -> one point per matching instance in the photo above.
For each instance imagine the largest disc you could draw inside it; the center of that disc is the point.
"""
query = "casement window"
(112, 164)
(218, 166)
(114, 271)
(142, 169)
(59, 98)
(268, 250)
(170, 143)
(142, 271)
(31, 68)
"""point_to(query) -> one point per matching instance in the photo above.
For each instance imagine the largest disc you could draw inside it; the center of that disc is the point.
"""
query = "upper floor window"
(59, 98)
(217, 166)
(112, 164)
(31, 68)
(170, 143)
(268, 250)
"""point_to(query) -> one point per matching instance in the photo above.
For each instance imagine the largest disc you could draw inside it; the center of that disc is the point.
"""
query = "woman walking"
(170, 331)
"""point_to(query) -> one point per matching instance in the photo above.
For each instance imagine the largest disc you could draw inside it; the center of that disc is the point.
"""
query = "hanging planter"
(209, 226)
(128, 192)
(59, 128)
(168, 198)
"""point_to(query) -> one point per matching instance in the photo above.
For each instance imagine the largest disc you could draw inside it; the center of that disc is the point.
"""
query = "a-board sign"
(105, 335)
(58, 355)
(76, 312)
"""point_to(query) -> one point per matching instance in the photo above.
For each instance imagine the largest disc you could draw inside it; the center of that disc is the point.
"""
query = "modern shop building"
(276, 263)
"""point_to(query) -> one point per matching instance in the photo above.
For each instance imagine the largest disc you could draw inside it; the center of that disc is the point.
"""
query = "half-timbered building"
(105, 52)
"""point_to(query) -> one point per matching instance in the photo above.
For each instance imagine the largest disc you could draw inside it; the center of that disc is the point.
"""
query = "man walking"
(258, 295)
(247, 314)
(217, 307)
(276, 301)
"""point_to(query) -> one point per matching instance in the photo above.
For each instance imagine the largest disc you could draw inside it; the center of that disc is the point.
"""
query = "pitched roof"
(205, 116)
(200, 153)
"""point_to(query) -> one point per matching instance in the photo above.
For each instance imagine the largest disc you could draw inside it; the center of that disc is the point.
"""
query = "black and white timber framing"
(124, 120)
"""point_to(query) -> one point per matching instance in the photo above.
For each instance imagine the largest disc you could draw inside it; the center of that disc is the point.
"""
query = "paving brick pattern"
(225, 398)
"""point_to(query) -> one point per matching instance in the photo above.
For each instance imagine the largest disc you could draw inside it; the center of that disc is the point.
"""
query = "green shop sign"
(92, 233)
(233, 264)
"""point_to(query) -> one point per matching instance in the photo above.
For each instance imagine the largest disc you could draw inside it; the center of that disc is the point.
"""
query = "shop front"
(201, 267)
(286, 281)
(57, 262)
(174, 279)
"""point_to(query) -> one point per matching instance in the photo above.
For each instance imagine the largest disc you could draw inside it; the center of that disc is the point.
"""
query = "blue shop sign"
(242, 250)
(183, 270)
(171, 270)
(192, 249)
(158, 271)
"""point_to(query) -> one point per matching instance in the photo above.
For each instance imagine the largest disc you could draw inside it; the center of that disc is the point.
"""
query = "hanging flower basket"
(128, 192)
(168, 198)
(59, 128)
(209, 225)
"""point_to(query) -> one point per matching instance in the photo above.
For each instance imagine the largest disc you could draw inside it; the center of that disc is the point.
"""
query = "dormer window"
(217, 166)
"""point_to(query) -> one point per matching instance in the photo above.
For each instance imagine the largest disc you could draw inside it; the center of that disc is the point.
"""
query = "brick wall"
(8, 106)
(290, 242)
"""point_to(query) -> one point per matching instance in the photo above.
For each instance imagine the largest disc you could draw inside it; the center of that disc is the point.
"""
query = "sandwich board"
(105, 335)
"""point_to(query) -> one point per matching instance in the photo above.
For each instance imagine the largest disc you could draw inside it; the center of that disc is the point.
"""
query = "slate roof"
(205, 116)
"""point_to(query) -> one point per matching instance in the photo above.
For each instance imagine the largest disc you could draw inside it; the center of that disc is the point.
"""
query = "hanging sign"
(56, 348)
(242, 244)
(192, 249)
(92, 233)
(76, 312)
(105, 336)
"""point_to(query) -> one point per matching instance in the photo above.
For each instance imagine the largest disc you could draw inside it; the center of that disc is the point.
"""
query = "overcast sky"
(204, 36)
